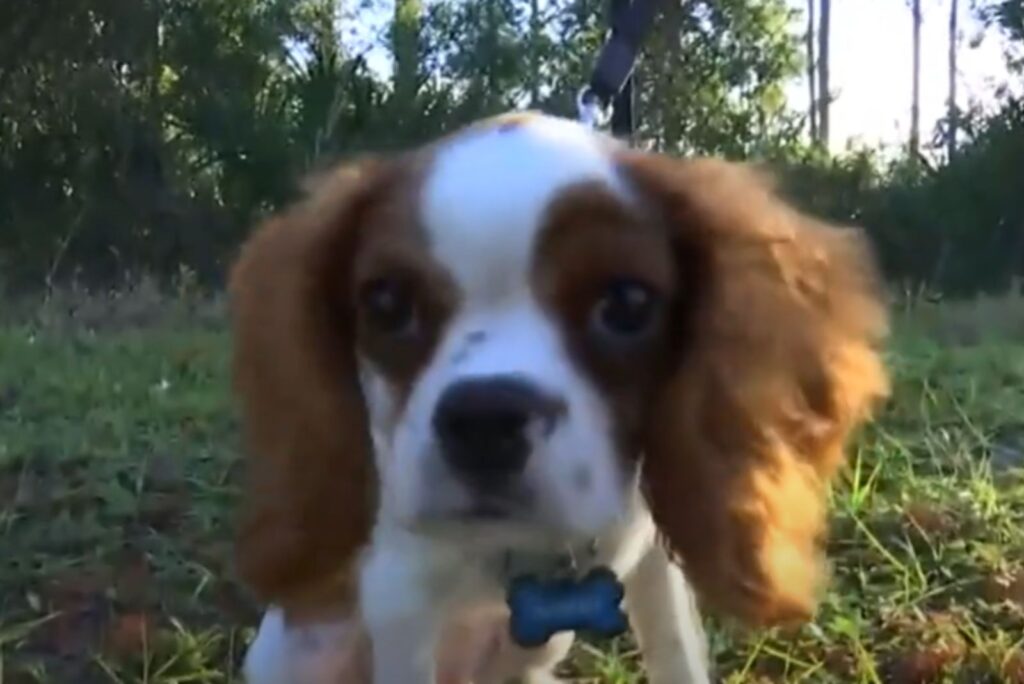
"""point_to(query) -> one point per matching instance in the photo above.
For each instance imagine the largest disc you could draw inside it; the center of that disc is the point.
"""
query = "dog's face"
(511, 310)
(493, 335)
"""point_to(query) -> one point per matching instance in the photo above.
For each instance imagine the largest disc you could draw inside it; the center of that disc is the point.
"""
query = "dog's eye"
(626, 311)
(390, 306)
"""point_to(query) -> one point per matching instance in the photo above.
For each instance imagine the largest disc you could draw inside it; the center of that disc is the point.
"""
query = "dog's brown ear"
(781, 364)
(308, 506)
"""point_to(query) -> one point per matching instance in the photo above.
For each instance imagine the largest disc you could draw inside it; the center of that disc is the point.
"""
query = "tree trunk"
(812, 109)
(953, 112)
(490, 82)
(405, 47)
(824, 92)
(534, 76)
(675, 129)
(915, 105)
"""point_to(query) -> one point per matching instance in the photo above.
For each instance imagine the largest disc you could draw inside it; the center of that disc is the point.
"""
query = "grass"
(118, 467)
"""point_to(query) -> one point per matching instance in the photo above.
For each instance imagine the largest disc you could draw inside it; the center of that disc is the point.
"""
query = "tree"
(712, 77)
(138, 136)
(952, 113)
(535, 37)
(1008, 17)
(824, 89)
(407, 78)
(915, 96)
(812, 109)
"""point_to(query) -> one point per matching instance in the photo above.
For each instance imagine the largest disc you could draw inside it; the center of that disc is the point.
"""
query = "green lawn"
(118, 463)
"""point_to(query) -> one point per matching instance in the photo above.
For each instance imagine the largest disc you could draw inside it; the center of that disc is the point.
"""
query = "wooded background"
(145, 136)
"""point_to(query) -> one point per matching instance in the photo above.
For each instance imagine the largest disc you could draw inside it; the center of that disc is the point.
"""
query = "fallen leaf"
(1005, 588)
(931, 518)
(72, 586)
(1013, 668)
(74, 631)
(132, 578)
(840, 661)
(163, 511)
(128, 634)
(923, 666)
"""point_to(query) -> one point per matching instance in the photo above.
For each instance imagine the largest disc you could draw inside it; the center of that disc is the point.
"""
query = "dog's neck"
(575, 560)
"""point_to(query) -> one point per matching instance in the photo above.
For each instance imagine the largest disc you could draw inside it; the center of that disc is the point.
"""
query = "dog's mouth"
(488, 510)
(504, 502)
(491, 510)
(506, 505)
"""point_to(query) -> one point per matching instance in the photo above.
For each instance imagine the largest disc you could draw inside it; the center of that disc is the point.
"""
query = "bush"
(958, 228)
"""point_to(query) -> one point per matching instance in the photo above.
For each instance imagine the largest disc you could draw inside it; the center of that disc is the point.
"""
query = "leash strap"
(611, 83)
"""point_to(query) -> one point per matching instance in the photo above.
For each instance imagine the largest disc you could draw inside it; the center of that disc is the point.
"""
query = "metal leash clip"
(590, 111)
(608, 99)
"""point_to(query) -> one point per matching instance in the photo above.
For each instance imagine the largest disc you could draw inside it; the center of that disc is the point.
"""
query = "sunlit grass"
(118, 469)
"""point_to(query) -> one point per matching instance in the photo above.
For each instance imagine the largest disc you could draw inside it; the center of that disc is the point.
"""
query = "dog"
(523, 347)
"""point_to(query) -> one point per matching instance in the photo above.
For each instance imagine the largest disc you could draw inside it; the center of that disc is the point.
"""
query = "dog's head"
(491, 335)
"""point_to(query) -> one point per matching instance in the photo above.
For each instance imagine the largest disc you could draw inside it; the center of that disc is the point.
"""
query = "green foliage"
(958, 228)
(714, 79)
(145, 135)
(138, 136)
(141, 135)
(1008, 16)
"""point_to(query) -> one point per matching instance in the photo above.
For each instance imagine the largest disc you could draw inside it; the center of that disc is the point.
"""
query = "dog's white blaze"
(486, 191)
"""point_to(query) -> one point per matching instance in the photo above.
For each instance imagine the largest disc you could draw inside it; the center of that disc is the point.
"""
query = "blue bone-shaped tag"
(542, 609)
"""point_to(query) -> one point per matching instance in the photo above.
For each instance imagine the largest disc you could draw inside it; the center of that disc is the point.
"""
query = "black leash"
(611, 83)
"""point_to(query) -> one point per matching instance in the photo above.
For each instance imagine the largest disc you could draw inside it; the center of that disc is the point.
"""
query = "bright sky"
(871, 68)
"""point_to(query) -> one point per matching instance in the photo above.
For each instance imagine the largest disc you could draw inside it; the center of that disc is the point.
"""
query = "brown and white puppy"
(525, 342)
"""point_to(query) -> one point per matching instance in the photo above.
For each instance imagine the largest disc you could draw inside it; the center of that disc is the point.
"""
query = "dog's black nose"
(484, 426)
